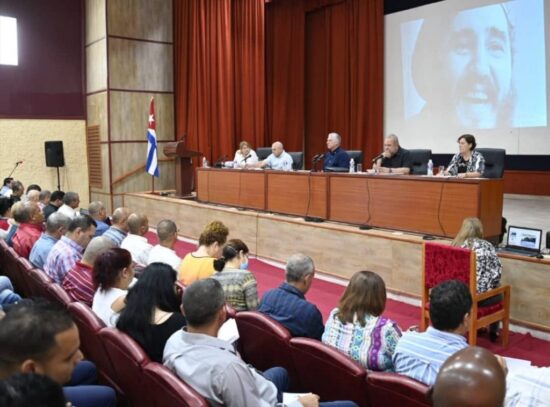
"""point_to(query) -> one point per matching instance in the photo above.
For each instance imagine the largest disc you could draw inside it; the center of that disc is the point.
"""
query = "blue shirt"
(337, 158)
(288, 306)
(41, 249)
(420, 355)
(115, 234)
(101, 228)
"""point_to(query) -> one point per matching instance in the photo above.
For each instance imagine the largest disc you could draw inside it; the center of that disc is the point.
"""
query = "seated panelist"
(394, 159)
(279, 159)
(245, 155)
(336, 156)
(468, 163)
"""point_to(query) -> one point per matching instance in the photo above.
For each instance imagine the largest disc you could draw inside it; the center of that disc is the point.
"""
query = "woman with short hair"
(468, 163)
(245, 155)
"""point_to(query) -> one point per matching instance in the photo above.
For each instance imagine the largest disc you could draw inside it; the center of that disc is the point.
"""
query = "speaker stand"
(58, 180)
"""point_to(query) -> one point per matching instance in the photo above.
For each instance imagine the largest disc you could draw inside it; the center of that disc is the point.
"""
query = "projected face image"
(479, 64)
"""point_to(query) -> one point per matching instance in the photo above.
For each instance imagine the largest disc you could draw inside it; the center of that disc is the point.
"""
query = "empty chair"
(419, 160)
(327, 372)
(297, 160)
(494, 161)
(357, 156)
(164, 388)
(392, 389)
(128, 360)
(263, 153)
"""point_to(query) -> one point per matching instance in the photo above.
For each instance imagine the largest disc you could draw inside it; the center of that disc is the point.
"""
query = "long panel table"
(419, 204)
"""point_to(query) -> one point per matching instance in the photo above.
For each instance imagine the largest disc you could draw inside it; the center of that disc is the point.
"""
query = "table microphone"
(247, 157)
(381, 155)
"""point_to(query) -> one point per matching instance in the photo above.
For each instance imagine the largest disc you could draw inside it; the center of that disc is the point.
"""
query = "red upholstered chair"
(230, 311)
(39, 282)
(10, 268)
(128, 360)
(265, 343)
(328, 372)
(441, 263)
(56, 293)
(166, 389)
(23, 269)
(392, 389)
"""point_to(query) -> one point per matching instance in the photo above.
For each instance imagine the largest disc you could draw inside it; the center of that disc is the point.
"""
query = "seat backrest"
(357, 156)
(56, 293)
(419, 160)
(297, 160)
(23, 269)
(128, 360)
(328, 372)
(263, 152)
(10, 268)
(264, 343)
(494, 161)
(39, 282)
(443, 262)
(166, 389)
(392, 389)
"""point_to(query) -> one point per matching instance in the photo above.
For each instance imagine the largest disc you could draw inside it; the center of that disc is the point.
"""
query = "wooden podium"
(184, 166)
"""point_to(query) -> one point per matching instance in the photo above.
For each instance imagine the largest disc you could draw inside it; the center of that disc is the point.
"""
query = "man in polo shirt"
(29, 230)
(71, 201)
(136, 242)
(336, 155)
(56, 226)
(119, 227)
(287, 303)
(279, 159)
(395, 159)
(97, 211)
(164, 252)
(420, 354)
(68, 250)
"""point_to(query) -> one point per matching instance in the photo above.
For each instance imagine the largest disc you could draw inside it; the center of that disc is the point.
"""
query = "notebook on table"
(524, 241)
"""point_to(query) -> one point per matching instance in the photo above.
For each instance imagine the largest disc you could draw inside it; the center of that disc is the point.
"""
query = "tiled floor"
(528, 210)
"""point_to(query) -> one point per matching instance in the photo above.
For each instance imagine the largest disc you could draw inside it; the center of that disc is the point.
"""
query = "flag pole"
(152, 184)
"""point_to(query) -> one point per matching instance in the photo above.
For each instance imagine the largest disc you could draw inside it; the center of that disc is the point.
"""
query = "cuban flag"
(152, 166)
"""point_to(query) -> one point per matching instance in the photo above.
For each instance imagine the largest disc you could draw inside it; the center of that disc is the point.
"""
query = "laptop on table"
(524, 241)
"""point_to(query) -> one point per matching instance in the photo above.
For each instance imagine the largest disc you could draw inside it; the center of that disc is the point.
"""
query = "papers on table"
(514, 364)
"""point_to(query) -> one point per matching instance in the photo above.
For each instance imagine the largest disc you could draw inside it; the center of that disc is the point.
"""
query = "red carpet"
(326, 295)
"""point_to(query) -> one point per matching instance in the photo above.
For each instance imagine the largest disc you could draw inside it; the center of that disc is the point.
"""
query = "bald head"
(167, 233)
(33, 195)
(138, 224)
(96, 245)
(472, 377)
(277, 148)
(120, 218)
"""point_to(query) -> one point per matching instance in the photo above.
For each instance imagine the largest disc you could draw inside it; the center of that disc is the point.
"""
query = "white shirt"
(283, 162)
(239, 158)
(161, 254)
(67, 211)
(139, 248)
(103, 300)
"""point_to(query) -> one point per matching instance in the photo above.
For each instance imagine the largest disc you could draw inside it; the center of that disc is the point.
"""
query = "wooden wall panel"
(130, 112)
(145, 19)
(527, 182)
(96, 27)
(96, 106)
(138, 65)
(96, 66)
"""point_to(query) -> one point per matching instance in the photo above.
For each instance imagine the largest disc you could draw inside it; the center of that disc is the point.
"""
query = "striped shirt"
(115, 234)
(528, 387)
(63, 256)
(371, 345)
(240, 288)
(419, 355)
(78, 283)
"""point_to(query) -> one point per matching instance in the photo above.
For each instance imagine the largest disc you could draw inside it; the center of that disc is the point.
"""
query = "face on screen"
(479, 61)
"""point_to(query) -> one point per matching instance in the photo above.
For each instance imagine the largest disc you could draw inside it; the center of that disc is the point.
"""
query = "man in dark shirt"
(336, 156)
(287, 303)
(395, 159)
(56, 200)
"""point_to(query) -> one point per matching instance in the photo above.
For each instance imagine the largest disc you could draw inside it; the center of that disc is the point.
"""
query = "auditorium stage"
(340, 250)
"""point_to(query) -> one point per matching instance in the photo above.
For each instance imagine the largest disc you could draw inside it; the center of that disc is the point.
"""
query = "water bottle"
(204, 162)
(430, 168)
(352, 166)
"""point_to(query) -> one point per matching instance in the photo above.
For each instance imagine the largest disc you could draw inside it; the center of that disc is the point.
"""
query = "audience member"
(152, 313)
(210, 365)
(164, 252)
(78, 281)
(44, 198)
(17, 191)
(239, 284)
(113, 273)
(71, 201)
(357, 327)
(40, 337)
(30, 389)
(6, 187)
(33, 187)
(287, 303)
(19, 215)
(98, 213)
(5, 212)
(68, 250)
(200, 263)
(7, 293)
(56, 226)
(33, 196)
(472, 377)
(488, 266)
(119, 226)
(136, 242)
(56, 200)
(420, 355)
(30, 229)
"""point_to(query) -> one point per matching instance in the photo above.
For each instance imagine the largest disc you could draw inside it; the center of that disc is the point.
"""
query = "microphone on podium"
(318, 157)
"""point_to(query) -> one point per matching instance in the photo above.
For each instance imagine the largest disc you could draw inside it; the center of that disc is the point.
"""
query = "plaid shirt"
(288, 306)
(63, 256)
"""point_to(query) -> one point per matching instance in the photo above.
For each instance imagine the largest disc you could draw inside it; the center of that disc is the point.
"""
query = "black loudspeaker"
(54, 154)
(548, 240)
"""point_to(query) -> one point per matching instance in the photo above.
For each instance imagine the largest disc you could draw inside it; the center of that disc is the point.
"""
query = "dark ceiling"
(392, 6)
